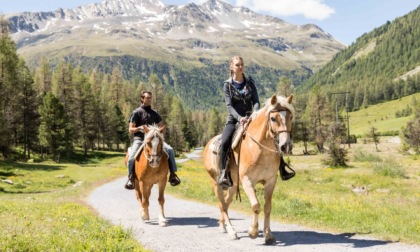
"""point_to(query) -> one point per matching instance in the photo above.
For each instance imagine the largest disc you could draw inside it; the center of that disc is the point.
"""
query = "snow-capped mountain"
(189, 37)
(213, 28)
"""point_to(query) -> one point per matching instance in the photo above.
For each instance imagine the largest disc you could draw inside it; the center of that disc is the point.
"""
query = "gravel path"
(193, 226)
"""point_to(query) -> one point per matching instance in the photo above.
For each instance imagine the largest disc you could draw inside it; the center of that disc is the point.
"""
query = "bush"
(389, 167)
(337, 156)
(363, 156)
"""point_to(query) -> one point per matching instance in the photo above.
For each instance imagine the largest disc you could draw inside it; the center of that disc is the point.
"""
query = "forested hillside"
(197, 87)
(54, 111)
(381, 65)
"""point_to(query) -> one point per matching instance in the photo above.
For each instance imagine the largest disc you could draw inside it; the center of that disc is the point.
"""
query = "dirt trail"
(193, 227)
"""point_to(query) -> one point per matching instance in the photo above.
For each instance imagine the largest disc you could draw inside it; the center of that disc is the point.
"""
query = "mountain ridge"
(182, 37)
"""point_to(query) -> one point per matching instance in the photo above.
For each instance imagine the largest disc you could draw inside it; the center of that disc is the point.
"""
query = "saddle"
(236, 139)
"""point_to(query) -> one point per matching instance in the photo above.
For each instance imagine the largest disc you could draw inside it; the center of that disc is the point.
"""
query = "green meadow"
(44, 208)
(377, 194)
(381, 116)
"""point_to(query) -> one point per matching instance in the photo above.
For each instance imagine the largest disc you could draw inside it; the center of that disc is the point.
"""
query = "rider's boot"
(173, 178)
(285, 175)
(130, 182)
(224, 178)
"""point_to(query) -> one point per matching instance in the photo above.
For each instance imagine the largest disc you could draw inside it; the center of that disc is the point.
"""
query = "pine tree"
(29, 109)
(411, 133)
(43, 78)
(373, 133)
(8, 82)
(175, 121)
(285, 86)
(319, 117)
(53, 130)
(85, 109)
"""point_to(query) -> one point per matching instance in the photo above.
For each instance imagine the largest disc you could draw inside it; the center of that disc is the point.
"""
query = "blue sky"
(345, 20)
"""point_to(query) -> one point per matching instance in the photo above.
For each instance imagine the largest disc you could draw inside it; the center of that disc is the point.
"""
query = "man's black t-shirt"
(144, 115)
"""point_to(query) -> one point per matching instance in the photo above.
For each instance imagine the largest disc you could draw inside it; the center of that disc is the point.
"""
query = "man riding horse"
(145, 115)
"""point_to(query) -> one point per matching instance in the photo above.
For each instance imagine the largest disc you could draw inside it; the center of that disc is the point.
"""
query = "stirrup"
(174, 180)
(287, 175)
(130, 183)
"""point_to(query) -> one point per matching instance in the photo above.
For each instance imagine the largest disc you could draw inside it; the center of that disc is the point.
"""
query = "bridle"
(156, 157)
(275, 134)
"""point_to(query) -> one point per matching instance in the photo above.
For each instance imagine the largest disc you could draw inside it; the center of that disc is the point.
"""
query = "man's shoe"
(130, 183)
(173, 179)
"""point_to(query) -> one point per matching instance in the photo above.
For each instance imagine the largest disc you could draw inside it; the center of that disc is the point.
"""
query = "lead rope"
(238, 191)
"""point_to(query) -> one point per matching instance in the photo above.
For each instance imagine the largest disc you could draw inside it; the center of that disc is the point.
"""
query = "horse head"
(280, 116)
(153, 144)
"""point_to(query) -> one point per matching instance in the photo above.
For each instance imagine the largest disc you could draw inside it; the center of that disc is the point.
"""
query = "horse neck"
(258, 126)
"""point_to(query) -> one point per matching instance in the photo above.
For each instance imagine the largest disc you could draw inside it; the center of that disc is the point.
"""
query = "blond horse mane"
(283, 102)
(153, 132)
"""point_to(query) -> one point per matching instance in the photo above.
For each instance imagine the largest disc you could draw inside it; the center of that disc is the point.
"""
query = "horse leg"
(268, 194)
(255, 206)
(145, 202)
(224, 222)
(161, 199)
(139, 195)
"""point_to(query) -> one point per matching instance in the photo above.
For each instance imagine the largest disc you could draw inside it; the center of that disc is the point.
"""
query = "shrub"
(389, 167)
(363, 156)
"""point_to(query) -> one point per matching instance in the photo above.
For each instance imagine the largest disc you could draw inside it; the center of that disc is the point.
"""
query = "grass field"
(359, 199)
(44, 209)
(381, 116)
(378, 194)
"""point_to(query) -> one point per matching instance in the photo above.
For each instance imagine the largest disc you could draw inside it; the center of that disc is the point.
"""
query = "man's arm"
(133, 129)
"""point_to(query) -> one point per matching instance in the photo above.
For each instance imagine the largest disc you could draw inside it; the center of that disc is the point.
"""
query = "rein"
(150, 158)
(275, 133)
(261, 145)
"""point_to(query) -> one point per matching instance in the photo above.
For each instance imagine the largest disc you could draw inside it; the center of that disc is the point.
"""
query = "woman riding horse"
(256, 160)
(241, 97)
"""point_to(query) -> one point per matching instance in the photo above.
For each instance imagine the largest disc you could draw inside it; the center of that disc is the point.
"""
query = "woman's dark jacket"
(240, 105)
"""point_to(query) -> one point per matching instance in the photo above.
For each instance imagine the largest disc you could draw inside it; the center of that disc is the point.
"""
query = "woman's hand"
(244, 120)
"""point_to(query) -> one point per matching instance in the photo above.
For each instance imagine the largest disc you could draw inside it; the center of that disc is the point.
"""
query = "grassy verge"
(357, 199)
(43, 210)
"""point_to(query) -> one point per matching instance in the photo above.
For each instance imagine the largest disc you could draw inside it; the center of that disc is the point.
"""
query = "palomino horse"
(151, 168)
(259, 154)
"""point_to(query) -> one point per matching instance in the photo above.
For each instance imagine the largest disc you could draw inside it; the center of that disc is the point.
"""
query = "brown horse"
(255, 160)
(151, 168)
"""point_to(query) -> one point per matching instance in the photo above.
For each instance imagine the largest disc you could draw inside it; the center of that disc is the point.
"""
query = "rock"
(7, 181)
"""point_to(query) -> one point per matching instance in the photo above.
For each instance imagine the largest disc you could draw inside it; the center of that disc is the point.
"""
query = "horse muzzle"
(154, 160)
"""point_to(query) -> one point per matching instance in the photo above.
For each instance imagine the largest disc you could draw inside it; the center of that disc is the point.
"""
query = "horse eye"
(273, 119)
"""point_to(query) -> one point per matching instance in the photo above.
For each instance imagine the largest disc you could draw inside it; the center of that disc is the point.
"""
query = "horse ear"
(161, 129)
(274, 99)
(146, 129)
(290, 99)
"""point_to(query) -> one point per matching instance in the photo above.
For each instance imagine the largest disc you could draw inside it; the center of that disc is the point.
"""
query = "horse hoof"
(253, 233)
(270, 240)
(163, 223)
(222, 228)
(233, 236)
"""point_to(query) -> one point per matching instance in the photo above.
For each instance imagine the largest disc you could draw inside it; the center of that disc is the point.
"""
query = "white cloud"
(313, 9)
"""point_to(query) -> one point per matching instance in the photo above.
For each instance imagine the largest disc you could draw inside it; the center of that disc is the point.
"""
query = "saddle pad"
(237, 135)
(215, 145)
